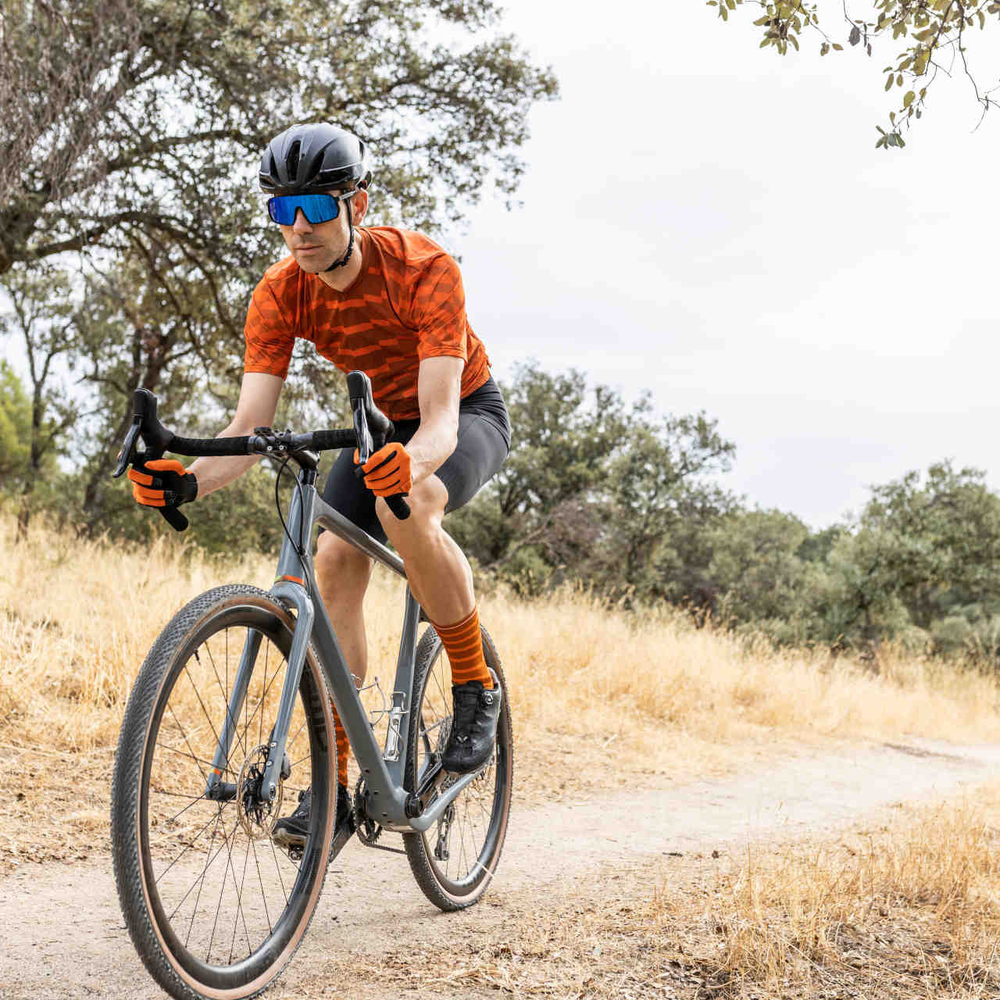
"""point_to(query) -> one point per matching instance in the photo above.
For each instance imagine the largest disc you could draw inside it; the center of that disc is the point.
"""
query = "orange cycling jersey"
(406, 304)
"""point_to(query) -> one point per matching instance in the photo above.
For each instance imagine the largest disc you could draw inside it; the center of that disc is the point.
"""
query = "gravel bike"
(231, 715)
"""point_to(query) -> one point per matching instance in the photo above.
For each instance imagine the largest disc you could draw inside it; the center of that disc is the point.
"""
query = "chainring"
(365, 828)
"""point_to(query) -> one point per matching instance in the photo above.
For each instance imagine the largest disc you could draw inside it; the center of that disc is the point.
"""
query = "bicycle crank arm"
(430, 782)
(342, 836)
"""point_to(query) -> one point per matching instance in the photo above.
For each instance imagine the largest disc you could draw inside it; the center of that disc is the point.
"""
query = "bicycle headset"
(313, 159)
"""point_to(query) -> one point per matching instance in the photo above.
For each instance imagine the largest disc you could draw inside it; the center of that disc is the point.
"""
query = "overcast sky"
(712, 222)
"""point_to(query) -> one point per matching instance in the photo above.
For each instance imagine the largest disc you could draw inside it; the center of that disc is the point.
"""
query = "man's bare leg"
(441, 580)
(342, 575)
(436, 568)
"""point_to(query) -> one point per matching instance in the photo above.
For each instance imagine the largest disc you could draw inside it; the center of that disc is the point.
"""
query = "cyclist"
(389, 302)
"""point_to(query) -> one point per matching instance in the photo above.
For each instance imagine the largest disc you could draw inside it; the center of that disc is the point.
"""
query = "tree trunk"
(34, 462)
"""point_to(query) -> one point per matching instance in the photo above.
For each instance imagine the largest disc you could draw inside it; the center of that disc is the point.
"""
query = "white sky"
(712, 222)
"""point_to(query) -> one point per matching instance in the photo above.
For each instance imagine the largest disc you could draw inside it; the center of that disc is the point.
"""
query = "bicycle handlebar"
(372, 428)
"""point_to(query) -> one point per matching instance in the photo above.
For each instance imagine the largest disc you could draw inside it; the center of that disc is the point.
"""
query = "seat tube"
(236, 699)
(395, 750)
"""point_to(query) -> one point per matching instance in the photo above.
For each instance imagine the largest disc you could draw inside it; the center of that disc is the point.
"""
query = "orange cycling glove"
(387, 472)
(162, 482)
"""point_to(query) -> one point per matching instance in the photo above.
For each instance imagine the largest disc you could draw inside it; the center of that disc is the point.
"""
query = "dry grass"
(595, 693)
(907, 910)
(912, 902)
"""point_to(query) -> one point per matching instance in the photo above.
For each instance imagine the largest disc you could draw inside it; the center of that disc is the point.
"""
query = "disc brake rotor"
(257, 817)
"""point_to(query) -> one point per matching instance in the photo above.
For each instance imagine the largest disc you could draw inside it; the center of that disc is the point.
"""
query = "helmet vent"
(293, 160)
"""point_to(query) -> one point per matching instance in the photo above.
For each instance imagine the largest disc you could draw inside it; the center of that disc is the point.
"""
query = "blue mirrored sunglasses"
(316, 207)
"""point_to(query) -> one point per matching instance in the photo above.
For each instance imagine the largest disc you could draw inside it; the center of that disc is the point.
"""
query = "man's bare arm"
(439, 391)
(257, 405)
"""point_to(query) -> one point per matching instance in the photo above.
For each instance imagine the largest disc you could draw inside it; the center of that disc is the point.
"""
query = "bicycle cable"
(277, 501)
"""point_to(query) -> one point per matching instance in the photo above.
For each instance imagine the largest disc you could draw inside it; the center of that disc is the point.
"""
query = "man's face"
(315, 246)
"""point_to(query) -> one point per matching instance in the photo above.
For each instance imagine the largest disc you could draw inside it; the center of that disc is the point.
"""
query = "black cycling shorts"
(483, 444)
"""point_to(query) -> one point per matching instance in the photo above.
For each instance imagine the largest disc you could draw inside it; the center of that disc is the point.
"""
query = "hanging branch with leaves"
(934, 34)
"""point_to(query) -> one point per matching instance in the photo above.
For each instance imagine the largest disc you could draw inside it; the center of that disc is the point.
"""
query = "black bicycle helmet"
(308, 159)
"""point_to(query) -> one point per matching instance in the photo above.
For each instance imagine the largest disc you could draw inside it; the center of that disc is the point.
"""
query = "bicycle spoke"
(277, 868)
(177, 795)
(239, 902)
(197, 694)
(262, 697)
(208, 954)
(191, 756)
(263, 894)
(188, 846)
(239, 896)
(201, 798)
(200, 880)
(170, 708)
(225, 696)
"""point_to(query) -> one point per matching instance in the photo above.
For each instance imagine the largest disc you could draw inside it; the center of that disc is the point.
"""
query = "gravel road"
(62, 935)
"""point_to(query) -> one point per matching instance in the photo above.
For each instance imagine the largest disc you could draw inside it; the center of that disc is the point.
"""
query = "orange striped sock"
(343, 747)
(464, 647)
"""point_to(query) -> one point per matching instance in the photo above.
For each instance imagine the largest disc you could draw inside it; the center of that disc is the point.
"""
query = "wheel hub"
(256, 812)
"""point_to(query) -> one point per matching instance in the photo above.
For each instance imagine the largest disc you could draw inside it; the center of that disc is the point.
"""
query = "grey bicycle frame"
(295, 588)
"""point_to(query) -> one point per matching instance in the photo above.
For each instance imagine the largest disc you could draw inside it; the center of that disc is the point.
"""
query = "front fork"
(217, 788)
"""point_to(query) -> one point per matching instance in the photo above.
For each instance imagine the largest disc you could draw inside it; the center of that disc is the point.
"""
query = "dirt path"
(62, 935)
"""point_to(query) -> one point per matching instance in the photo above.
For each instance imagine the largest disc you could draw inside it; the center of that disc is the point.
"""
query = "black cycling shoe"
(293, 830)
(473, 727)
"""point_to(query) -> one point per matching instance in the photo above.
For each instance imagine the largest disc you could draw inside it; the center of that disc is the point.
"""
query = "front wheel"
(454, 861)
(214, 908)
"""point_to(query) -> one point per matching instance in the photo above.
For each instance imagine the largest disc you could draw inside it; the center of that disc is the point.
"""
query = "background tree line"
(628, 503)
(131, 235)
(131, 228)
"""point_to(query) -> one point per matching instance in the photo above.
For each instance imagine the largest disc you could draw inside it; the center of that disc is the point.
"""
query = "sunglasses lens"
(316, 208)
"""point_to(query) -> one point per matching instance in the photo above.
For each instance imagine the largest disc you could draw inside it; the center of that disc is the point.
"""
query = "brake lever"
(363, 409)
(156, 438)
(128, 447)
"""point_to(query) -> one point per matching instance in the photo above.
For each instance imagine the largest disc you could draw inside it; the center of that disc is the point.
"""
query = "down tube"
(387, 797)
(388, 800)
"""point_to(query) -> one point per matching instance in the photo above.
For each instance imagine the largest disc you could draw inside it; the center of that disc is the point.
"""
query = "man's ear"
(359, 205)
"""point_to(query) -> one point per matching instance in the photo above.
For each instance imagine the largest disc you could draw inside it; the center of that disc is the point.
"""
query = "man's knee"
(427, 501)
(340, 566)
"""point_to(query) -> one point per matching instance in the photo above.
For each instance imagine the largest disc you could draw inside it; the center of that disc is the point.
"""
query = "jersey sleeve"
(269, 339)
(438, 311)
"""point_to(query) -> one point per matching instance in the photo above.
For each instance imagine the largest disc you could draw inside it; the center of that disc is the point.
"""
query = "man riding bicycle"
(388, 302)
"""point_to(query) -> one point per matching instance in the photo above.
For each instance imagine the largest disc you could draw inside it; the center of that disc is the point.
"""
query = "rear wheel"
(455, 859)
(214, 908)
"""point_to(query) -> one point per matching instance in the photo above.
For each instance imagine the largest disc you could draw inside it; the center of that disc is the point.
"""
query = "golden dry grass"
(77, 617)
(594, 693)
(907, 910)
(911, 903)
